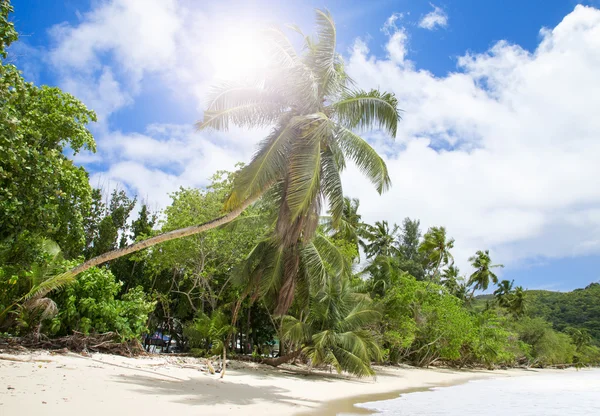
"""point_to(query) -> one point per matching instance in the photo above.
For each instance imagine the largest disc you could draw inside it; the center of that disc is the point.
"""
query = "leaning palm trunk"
(282, 359)
(161, 238)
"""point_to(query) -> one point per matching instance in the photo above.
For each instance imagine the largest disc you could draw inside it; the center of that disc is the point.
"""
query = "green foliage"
(433, 321)
(334, 329)
(577, 309)
(208, 334)
(8, 34)
(42, 192)
(279, 267)
(89, 305)
(483, 274)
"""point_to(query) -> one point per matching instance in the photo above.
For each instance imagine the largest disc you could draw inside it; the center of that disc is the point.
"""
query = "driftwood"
(108, 342)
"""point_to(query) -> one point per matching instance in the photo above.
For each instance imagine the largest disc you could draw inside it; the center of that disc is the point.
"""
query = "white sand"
(73, 385)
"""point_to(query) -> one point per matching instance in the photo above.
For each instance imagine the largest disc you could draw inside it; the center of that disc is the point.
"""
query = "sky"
(500, 136)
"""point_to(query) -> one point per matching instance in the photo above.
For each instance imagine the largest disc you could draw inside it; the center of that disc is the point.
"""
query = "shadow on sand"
(208, 391)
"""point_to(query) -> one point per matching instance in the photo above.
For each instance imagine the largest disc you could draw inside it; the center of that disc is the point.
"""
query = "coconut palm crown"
(314, 109)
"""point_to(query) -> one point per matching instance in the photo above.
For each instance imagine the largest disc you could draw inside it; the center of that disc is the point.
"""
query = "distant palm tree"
(450, 278)
(333, 331)
(518, 305)
(436, 247)
(350, 225)
(504, 293)
(381, 241)
(482, 276)
(314, 108)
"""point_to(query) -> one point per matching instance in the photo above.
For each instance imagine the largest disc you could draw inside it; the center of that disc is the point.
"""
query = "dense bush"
(89, 305)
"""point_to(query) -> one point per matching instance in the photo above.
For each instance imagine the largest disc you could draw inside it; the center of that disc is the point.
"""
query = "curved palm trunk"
(282, 359)
(161, 238)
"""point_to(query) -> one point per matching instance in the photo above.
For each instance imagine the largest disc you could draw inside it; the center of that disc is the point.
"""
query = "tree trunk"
(281, 359)
(161, 238)
(224, 360)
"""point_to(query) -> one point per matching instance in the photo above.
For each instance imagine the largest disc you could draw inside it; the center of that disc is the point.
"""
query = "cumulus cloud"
(503, 151)
(158, 161)
(434, 19)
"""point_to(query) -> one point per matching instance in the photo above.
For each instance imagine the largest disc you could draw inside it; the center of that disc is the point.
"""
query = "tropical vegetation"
(277, 264)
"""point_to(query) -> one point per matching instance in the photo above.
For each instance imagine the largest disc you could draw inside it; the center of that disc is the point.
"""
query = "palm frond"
(250, 113)
(265, 168)
(55, 282)
(331, 187)
(325, 56)
(365, 110)
(230, 94)
(305, 165)
(365, 157)
(295, 330)
(360, 316)
(352, 363)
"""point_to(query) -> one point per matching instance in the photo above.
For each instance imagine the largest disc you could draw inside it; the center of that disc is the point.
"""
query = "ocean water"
(567, 393)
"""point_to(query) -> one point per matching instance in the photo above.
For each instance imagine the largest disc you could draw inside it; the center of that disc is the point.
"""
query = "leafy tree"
(42, 192)
(483, 274)
(89, 305)
(410, 237)
(108, 229)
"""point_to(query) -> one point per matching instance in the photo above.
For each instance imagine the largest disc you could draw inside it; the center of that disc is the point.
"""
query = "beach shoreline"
(41, 382)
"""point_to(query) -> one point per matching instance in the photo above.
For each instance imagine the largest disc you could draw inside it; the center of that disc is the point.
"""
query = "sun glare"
(239, 55)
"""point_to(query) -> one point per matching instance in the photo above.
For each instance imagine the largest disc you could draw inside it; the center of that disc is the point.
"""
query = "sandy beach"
(41, 383)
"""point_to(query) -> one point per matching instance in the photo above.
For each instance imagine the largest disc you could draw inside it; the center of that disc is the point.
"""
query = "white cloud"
(434, 19)
(165, 157)
(504, 152)
(390, 27)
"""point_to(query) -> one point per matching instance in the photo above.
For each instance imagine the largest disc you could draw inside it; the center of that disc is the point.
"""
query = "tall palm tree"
(483, 274)
(436, 248)
(314, 109)
(381, 241)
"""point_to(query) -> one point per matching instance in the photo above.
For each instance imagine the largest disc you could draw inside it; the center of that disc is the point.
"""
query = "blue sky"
(499, 140)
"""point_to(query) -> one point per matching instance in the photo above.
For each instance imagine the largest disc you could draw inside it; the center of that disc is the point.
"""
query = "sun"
(239, 54)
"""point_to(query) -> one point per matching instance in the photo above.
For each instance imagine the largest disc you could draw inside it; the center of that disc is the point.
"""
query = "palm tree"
(213, 333)
(436, 248)
(381, 240)
(34, 307)
(314, 109)
(504, 293)
(267, 269)
(333, 332)
(450, 277)
(483, 274)
(350, 224)
(382, 272)
(518, 305)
